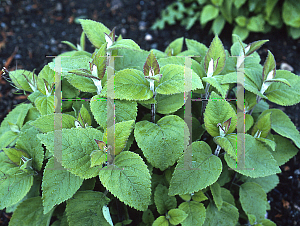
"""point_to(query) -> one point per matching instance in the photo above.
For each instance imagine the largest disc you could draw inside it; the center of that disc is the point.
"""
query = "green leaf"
(124, 44)
(228, 215)
(45, 123)
(239, 3)
(98, 157)
(74, 151)
(31, 144)
(268, 142)
(282, 125)
(226, 10)
(284, 150)
(269, 67)
(248, 121)
(270, 4)
(151, 63)
(161, 221)
(162, 200)
(172, 81)
(134, 59)
(161, 143)
(204, 165)
(255, 46)
(267, 183)
(85, 208)
(282, 94)
(14, 184)
(121, 134)
(218, 25)
(45, 104)
(198, 47)
(15, 155)
(262, 126)
(129, 173)
(242, 32)
(124, 110)
(290, 13)
(94, 31)
(256, 23)
(216, 52)
(100, 60)
(130, 84)
(258, 160)
(48, 75)
(209, 12)
(241, 21)
(30, 212)
(148, 216)
(199, 196)
(175, 47)
(216, 193)
(176, 216)
(84, 116)
(196, 213)
(218, 110)
(58, 185)
(216, 81)
(18, 78)
(253, 199)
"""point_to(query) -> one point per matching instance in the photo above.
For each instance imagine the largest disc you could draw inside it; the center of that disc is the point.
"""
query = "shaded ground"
(33, 30)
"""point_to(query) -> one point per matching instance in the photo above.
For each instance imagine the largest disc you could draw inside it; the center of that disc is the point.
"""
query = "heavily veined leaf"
(130, 84)
(204, 165)
(94, 31)
(128, 173)
(258, 160)
(216, 52)
(218, 110)
(253, 199)
(30, 212)
(74, 150)
(122, 131)
(263, 126)
(198, 47)
(21, 77)
(228, 215)
(175, 47)
(85, 208)
(45, 80)
(45, 123)
(14, 183)
(283, 125)
(15, 155)
(267, 183)
(281, 93)
(151, 64)
(173, 80)
(284, 150)
(45, 104)
(162, 200)
(124, 110)
(196, 213)
(176, 216)
(161, 143)
(216, 193)
(58, 185)
(29, 143)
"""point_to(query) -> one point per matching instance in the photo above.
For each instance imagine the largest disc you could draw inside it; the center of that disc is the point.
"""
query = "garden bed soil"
(31, 35)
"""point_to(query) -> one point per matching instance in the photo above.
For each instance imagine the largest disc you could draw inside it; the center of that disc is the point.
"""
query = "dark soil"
(32, 31)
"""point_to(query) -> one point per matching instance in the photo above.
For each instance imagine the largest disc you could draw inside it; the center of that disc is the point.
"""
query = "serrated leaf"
(85, 208)
(162, 200)
(262, 126)
(48, 75)
(45, 104)
(161, 221)
(216, 193)
(176, 216)
(121, 134)
(199, 196)
(58, 185)
(74, 151)
(100, 59)
(255, 46)
(268, 142)
(23, 215)
(204, 165)
(128, 173)
(151, 63)
(45, 123)
(124, 110)
(15, 155)
(228, 215)
(198, 47)
(216, 52)
(130, 84)
(218, 110)
(253, 199)
(124, 44)
(172, 81)
(196, 213)
(84, 116)
(31, 144)
(284, 150)
(258, 160)
(216, 82)
(18, 78)
(175, 47)
(94, 31)
(160, 142)
(269, 67)
(267, 183)
(98, 157)
(281, 93)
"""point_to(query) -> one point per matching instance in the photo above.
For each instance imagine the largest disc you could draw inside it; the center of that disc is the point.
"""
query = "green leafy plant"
(118, 141)
(245, 15)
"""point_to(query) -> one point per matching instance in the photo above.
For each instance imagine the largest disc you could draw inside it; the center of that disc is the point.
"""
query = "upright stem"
(153, 113)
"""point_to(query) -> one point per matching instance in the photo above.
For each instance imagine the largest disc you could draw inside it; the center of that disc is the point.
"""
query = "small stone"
(142, 25)
(123, 31)
(148, 37)
(285, 66)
